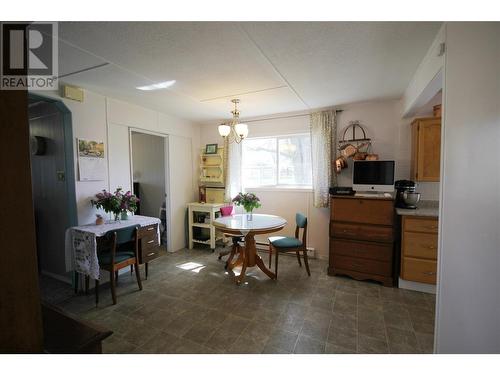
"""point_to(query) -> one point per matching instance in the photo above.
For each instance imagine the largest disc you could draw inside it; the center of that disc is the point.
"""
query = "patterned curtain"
(232, 168)
(323, 126)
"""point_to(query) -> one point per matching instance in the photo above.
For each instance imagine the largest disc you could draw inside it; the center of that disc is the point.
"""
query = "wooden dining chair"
(118, 249)
(280, 244)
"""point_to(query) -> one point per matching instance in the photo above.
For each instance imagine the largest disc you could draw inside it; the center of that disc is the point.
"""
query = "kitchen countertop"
(424, 208)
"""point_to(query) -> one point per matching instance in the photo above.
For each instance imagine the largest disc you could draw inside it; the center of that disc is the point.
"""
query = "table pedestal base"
(248, 257)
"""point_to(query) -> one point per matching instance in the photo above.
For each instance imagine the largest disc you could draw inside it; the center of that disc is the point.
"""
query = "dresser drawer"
(420, 245)
(148, 230)
(420, 224)
(367, 266)
(149, 239)
(361, 232)
(147, 254)
(363, 250)
(419, 270)
(359, 210)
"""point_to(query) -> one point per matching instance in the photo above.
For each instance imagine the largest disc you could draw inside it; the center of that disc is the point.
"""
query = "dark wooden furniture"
(280, 244)
(419, 241)
(149, 248)
(66, 334)
(20, 313)
(362, 238)
(116, 250)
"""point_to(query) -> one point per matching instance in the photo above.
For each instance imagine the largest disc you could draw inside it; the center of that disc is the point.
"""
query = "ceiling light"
(234, 131)
(156, 86)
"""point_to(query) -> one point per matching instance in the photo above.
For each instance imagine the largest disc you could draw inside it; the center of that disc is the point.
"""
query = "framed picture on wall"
(211, 148)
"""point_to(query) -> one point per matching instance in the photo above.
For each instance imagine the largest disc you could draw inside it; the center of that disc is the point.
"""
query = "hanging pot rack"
(353, 125)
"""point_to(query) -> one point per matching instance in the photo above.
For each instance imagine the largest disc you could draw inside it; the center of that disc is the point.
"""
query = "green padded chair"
(118, 249)
(280, 244)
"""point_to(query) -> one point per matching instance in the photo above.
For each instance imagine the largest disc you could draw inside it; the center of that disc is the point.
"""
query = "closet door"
(119, 157)
(181, 188)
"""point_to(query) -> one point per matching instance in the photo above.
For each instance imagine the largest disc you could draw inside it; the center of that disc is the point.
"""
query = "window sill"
(291, 189)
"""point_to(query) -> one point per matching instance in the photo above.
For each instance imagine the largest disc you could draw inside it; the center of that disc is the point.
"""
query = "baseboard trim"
(419, 287)
(64, 279)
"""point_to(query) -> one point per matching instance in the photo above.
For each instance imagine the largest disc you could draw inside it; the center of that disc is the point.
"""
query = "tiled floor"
(189, 304)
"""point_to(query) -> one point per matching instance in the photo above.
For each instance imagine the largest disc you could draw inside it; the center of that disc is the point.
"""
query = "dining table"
(248, 226)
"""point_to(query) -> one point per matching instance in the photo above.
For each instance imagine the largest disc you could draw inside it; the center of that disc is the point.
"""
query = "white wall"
(468, 306)
(90, 120)
(382, 120)
(427, 80)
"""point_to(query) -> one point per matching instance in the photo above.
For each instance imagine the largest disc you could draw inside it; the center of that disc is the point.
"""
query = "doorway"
(53, 184)
(149, 176)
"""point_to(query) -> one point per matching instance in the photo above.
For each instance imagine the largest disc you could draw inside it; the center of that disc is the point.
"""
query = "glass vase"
(249, 215)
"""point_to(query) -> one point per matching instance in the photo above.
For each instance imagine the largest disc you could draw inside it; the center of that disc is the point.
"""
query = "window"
(277, 161)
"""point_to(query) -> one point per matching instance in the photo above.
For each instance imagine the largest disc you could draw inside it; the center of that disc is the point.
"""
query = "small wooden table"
(248, 226)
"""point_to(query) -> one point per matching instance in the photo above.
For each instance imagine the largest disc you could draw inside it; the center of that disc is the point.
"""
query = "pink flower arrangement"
(116, 202)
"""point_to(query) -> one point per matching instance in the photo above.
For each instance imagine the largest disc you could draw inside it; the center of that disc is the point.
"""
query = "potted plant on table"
(249, 201)
(116, 203)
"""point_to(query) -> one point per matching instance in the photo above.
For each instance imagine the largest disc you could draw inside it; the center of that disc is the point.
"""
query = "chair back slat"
(301, 220)
(123, 235)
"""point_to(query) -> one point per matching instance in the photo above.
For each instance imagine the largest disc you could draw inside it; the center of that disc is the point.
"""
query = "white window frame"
(277, 187)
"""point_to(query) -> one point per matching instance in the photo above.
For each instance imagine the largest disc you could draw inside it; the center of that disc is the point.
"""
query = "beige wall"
(391, 140)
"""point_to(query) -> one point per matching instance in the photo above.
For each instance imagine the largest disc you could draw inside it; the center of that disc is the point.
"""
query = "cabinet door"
(429, 150)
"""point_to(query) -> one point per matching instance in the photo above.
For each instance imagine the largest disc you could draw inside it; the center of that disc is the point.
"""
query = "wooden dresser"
(362, 238)
(419, 240)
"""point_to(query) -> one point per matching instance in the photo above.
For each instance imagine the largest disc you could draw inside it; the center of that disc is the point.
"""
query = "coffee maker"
(401, 187)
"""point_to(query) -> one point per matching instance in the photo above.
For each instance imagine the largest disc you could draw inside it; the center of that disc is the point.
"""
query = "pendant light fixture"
(234, 130)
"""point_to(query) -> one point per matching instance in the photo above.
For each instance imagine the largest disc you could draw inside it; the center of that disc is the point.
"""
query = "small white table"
(81, 240)
(211, 209)
(248, 226)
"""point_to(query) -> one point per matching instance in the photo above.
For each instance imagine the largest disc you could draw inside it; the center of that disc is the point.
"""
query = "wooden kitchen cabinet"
(425, 149)
(419, 243)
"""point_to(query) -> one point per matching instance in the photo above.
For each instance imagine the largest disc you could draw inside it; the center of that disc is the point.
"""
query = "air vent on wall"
(73, 93)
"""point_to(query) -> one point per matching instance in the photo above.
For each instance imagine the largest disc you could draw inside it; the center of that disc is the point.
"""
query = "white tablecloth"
(81, 241)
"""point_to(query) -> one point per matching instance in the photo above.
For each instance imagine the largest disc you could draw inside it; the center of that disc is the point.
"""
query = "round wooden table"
(248, 226)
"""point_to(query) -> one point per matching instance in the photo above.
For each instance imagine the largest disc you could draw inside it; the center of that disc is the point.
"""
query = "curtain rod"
(282, 117)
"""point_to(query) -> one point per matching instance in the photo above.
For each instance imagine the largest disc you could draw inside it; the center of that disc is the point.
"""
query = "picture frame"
(211, 148)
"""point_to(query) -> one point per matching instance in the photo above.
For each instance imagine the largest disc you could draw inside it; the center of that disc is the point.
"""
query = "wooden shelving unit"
(212, 167)
(209, 210)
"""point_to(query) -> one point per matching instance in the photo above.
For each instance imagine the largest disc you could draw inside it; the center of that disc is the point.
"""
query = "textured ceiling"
(273, 67)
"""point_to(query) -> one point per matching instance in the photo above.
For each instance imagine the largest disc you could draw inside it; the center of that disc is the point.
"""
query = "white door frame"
(167, 174)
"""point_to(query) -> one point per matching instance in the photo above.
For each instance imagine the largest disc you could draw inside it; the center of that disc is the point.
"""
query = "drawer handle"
(431, 247)
(151, 228)
(151, 241)
(150, 254)
(429, 273)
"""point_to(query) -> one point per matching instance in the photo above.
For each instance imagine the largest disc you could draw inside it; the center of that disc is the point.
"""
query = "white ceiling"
(273, 67)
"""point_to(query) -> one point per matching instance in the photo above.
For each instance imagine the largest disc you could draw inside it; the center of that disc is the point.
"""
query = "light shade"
(224, 130)
(241, 130)
(156, 86)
